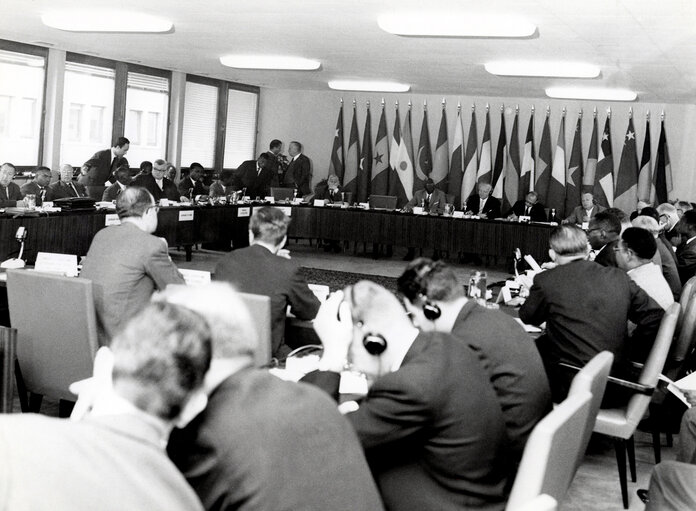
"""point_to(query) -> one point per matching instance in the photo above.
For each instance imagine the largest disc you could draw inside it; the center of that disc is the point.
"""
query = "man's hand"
(283, 252)
(334, 327)
(89, 390)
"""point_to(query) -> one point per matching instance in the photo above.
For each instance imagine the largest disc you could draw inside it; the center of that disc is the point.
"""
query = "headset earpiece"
(375, 344)
(431, 311)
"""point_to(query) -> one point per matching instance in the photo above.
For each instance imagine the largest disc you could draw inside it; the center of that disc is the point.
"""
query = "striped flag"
(470, 162)
(484, 173)
(402, 184)
(365, 167)
(662, 178)
(555, 198)
(456, 170)
(574, 173)
(543, 177)
(336, 160)
(512, 173)
(528, 161)
(604, 177)
(626, 193)
(380, 164)
(500, 158)
(645, 173)
(424, 157)
(591, 168)
(394, 149)
(441, 161)
(350, 178)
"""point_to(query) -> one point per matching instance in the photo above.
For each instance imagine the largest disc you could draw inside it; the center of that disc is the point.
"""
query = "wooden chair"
(684, 299)
(260, 309)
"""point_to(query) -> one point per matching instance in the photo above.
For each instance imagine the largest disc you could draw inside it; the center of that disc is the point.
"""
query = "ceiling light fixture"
(105, 21)
(446, 24)
(533, 68)
(278, 62)
(360, 85)
(591, 93)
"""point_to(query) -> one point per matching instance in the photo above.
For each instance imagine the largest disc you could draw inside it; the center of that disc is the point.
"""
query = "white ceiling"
(645, 45)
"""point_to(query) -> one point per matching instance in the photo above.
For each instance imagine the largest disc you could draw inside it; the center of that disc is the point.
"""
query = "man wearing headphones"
(431, 426)
(437, 303)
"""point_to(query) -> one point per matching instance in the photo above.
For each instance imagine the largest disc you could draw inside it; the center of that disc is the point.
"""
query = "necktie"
(74, 190)
(258, 171)
(4, 195)
(427, 201)
(526, 211)
(113, 163)
(42, 193)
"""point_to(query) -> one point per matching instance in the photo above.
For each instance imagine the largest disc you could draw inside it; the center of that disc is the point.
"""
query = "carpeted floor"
(340, 279)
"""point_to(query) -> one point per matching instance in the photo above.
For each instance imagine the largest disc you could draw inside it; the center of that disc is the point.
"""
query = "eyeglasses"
(155, 208)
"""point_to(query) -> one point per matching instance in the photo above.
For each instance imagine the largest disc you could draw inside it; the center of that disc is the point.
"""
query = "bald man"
(66, 187)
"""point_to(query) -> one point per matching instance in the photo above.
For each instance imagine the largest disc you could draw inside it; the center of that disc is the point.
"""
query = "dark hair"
(42, 168)
(146, 166)
(269, 224)
(226, 174)
(432, 279)
(275, 143)
(641, 241)
(121, 170)
(620, 214)
(92, 162)
(689, 219)
(134, 201)
(568, 240)
(195, 165)
(607, 222)
(262, 156)
(121, 141)
(651, 212)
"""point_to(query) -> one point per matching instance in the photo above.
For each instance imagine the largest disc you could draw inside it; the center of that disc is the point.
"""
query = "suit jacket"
(217, 189)
(438, 199)
(322, 192)
(61, 190)
(266, 444)
(257, 270)
(491, 208)
(108, 463)
(668, 260)
(10, 195)
(586, 307)
(686, 258)
(299, 174)
(579, 215)
(126, 265)
(606, 256)
(256, 184)
(537, 212)
(168, 190)
(433, 430)
(104, 169)
(32, 187)
(112, 192)
(188, 188)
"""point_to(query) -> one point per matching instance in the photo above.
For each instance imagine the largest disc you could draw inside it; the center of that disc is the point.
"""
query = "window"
(200, 124)
(152, 128)
(147, 112)
(88, 111)
(21, 100)
(240, 134)
(134, 120)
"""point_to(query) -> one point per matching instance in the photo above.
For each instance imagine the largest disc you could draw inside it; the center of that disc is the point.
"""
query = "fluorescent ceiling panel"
(278, 62)
(105, 21)
(446, 24)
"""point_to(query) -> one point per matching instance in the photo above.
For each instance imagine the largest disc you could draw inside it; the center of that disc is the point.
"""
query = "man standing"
(686, 252)
(66, 187)
(191, 185)
(299, 173)
(431, 199)
(483, 204)
(126, 263)
(39, 186)
(123, 179)
(255, 176)
(159, 186)
(10, 194)
(277, 162)
(529, 207)
(108, 161)
(603, 234)
(582, 215)
(265, 269)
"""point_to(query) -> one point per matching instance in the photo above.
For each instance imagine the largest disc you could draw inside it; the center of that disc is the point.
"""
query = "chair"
(685, 298)
(56, 333)
(282, 194)
(260, 309)
(96, 192)
(540, 503)
(621, 423)
(548, 461)
(683, 341)
(382, 202)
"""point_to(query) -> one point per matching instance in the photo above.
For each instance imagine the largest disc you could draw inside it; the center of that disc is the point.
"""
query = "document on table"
(529, 328)
(688, 382)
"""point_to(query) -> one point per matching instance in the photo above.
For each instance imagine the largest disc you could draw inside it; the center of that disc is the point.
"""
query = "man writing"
(192, 185)
(431, 199)
(529, 207)
(483, 204)
(255, 176)
(223, 186)
(123, 179)
(38, 187)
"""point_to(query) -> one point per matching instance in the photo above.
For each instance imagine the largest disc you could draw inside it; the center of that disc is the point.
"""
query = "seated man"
(329, 189)
(265, 269)
(192, 185)
(586, 308)
(171, 172)
(126, 263)
(669, 218)
(509, 356)
(223, 186)
(483, 204)
(528, 207)
(582, 215)
(634, 252)
(603, 235)
(145, 169)
(159, 186)
(123, 179)
(664, 255)
(38, 187)
(686, 252)
(10, 194)
(431, 199)
(263, 443)
(66, 187)
(112, 458)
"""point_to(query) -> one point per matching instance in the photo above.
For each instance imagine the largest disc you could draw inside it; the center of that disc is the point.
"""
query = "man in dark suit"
(603, 234)
(108, 161)
(668, 216)
(665, 255)
(39, 186)
(261, 442)
(299, 172)
(584, 213)
(159, 186)
(529, 207)
(192, 185)
(437, 303)
(482, 204)
(66, 187)
(431, 425)
(265, 268)
(126, 263)
(277, 162)
(255, 176)
(586, 308)
(10, 194)
(430, 198)
(329, 189)
(123, 179)
(686, 253)
(223, 186)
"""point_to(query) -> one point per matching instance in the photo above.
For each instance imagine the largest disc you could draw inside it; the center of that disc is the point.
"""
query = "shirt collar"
(690, 240)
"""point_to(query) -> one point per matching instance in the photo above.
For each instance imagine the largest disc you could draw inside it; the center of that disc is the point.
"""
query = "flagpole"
(548, 111)
(563, 114)
(443, 103)
(580, 114)
(630, 113)
(517, 109)
(647, 115)
(594, 112)
(487, 107)
(459, 107)
(382, 103)
(609, 113)
(662, 116)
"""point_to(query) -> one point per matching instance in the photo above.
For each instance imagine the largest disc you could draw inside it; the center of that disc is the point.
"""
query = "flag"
(402, 183)
(483, 175)
(424, 158)
(380, 164)
(626, 193)
(470, 162)
(662, 179)
(512, 173)
(645, 173)
(336, 160)
(350, 178)
(555, 198)
(591, 167)
(528, 161)
(441, 161)
(498, 176)
(456, 170)
(394, 148)
(543, 176)
(604, 176)
(574, 173)
(365, 167)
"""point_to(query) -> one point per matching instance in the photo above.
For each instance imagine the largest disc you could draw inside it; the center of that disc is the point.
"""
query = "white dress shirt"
(649, 277)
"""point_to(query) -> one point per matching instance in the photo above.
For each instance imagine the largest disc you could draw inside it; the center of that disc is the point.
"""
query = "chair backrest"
(260, 308)
(282, 193)
(540, 503)
(685, 333)
(548, 461)
(56, 330)
(593, 379)
(684, 299)
(382, 201)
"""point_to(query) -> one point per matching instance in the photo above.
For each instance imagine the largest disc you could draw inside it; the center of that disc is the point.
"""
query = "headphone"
(417, 287)
(373, 342)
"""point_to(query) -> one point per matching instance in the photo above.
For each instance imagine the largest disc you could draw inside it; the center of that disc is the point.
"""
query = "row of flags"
(395, 167)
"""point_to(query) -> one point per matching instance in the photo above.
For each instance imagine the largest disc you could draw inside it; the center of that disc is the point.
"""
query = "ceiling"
(645, 45)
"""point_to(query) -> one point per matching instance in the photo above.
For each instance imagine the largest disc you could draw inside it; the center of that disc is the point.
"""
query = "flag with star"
(528, 161)
(380, 161)
(662, 178)
(512, 173)
(470, 162)
(350, 178)
(626, 193)
(424, 157)
(645, 172)
(456, 170)
(394, 148)
(555, 198)
(484, 172)
(591, 167)
(401, 184)
(498, 176)
(441, 161)
(543, 176)
(604, 176)
(365, 166)
(336, 160)
(574, 172)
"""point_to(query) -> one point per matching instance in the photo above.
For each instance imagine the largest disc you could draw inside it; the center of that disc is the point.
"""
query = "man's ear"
(195, 404)
(251, 237)
(553, 255)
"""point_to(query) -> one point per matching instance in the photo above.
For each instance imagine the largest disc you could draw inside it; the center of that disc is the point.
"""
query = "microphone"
(17, 262)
